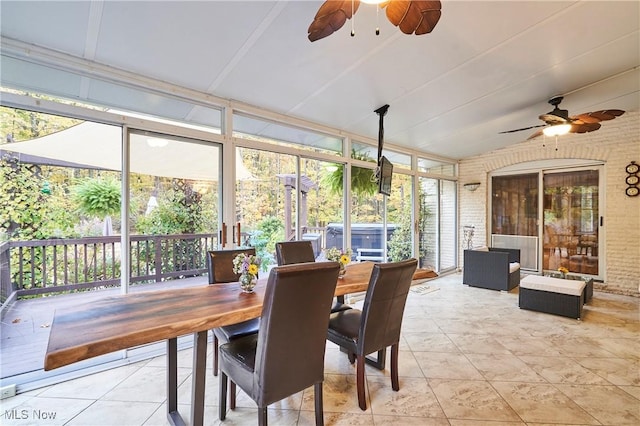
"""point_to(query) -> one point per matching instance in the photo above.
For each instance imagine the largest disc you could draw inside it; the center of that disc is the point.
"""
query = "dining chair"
(377, 325)
(220, 267)
(291, 252)
(287, 354)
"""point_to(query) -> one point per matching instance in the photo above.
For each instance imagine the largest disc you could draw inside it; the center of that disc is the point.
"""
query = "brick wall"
(617, 143)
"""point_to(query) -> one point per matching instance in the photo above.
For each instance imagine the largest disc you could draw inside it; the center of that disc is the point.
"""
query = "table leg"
(172, 384)
(198, 377)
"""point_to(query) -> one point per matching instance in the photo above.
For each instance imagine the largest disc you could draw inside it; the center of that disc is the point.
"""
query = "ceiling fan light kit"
(557, 130)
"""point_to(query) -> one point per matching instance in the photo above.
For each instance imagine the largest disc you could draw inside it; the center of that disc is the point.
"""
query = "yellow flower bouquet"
(247, 266)
(342, 256)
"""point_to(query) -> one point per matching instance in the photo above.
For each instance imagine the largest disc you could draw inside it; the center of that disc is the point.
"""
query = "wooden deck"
(24, 331)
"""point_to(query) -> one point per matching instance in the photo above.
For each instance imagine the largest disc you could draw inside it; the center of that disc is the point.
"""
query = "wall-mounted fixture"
(472, 186)
(632, 180)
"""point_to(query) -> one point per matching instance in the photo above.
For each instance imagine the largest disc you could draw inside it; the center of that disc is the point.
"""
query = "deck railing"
(58, 265)
(41, 267)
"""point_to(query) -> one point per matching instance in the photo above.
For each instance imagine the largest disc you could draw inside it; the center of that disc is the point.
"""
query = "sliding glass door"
(571, 221)
(552, 216)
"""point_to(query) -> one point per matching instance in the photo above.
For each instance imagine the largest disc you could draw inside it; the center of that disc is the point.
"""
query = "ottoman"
(552, 295)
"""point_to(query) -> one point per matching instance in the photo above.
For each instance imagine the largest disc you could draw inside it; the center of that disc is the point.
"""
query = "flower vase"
(247, 282)
(343, 270)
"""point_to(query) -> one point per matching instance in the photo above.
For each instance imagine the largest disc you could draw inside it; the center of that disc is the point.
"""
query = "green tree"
(19, 125)
(24, 206)
(273, 230)
(173, 215)
(26, 212)
(399, 246)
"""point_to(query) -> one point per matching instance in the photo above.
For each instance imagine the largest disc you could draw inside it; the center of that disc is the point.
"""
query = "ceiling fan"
(558, 122)
(412, 17)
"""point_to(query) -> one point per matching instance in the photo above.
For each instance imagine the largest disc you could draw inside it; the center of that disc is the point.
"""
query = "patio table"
(125, 321)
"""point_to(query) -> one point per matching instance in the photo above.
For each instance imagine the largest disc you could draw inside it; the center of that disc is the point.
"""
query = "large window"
(399, 215)
(266, 201)
(275, 202)
(367, 217)
(428, 223)
(437, 224)
(323, 203)
(514, 205)
(173, 210)
(60, 192)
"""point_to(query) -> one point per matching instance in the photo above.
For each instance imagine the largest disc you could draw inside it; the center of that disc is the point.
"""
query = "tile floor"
(468, 357)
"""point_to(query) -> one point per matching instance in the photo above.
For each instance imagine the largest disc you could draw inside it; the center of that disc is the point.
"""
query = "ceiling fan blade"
(596, 116)
(331, 17)
(535, 135)
(419, 17)
(524, 128)
(584, 128)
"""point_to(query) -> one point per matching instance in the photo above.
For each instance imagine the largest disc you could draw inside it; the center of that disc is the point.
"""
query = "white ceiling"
(487, 66)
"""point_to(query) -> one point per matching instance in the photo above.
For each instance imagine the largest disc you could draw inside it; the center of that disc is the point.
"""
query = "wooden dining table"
(125, 321)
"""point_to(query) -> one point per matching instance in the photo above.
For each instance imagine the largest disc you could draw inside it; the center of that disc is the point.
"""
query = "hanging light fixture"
(556, 130)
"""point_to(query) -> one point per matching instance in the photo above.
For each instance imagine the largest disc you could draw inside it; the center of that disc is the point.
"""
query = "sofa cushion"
(514, 266)
(483, 248)
(553, 285)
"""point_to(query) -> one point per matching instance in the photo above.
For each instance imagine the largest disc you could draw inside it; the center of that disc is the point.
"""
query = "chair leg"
(232, 396)
(215, 355)
(222, 397)
(317, 391)
(350, 355)
(394, 367)
(262, 416)
(362, 401)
